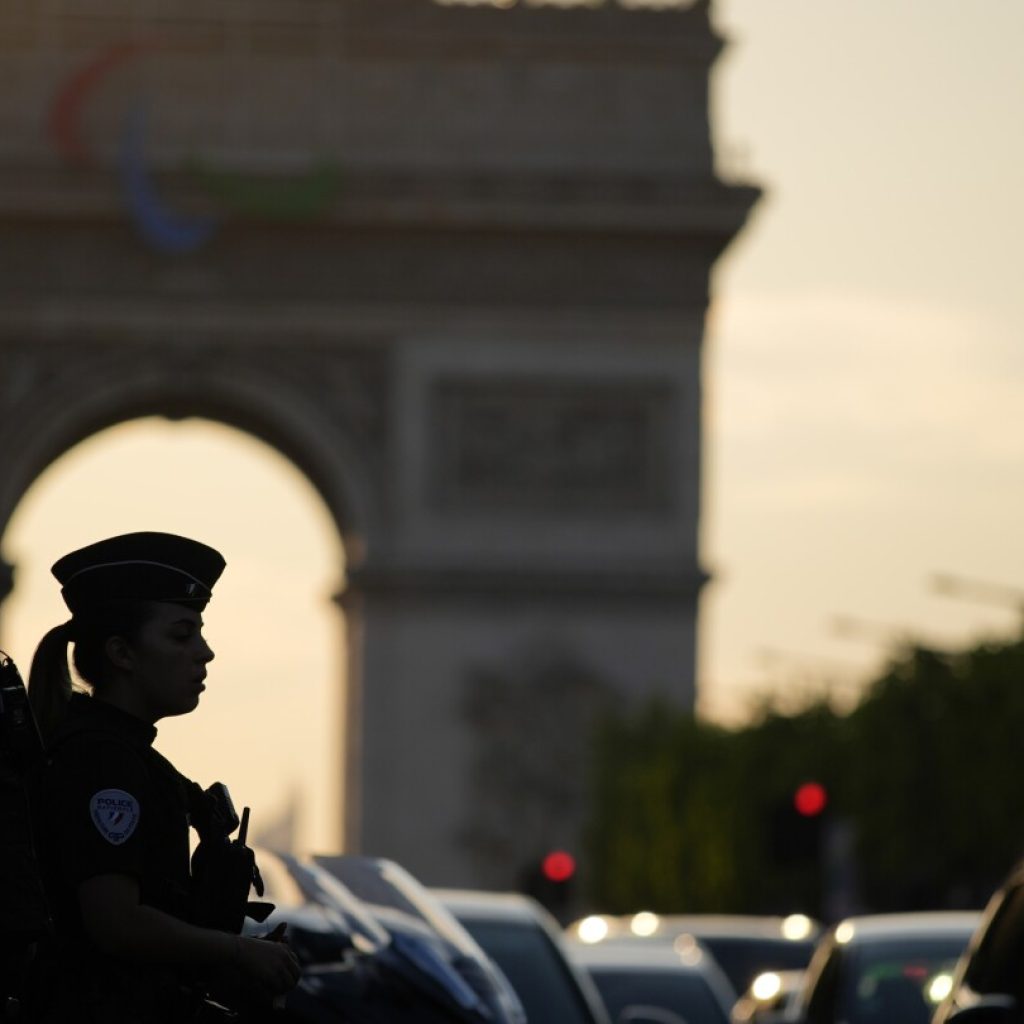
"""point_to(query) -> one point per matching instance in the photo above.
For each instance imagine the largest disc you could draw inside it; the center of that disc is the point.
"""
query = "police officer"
(113, 814)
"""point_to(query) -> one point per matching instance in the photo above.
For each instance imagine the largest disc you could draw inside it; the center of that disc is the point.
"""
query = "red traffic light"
(810, 799)
(558, 866)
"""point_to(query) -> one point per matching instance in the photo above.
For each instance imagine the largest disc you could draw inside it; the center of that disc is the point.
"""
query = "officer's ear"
(119, 652)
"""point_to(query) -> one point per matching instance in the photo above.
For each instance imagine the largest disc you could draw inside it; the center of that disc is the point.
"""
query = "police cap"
(139, 567)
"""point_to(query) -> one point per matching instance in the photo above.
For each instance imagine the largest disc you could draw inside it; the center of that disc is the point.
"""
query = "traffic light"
(549, 880)
(797, 824)
(810, 799)
(558, 866)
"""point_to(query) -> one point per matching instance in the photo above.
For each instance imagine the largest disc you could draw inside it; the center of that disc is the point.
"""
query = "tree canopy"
(925, 785)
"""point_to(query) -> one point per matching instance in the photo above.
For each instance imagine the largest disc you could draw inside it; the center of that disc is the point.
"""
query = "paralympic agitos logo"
(233, 194)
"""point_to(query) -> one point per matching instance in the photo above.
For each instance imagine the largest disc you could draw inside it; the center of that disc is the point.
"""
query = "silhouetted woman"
(113, 814)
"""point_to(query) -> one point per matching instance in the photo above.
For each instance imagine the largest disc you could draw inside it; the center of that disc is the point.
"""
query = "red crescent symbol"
(63, 120)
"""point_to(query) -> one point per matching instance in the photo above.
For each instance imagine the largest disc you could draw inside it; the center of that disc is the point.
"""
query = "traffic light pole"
(840, 886)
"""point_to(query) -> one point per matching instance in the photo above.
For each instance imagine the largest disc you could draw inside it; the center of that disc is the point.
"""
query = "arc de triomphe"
(451, 260)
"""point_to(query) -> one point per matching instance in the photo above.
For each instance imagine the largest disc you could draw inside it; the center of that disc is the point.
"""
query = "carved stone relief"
(547, 446)
(349, 384)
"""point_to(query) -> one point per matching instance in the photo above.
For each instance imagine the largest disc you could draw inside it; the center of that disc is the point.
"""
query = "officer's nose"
(207, 654)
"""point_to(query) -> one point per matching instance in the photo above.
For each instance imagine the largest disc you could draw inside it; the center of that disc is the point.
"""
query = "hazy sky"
(865, 388)
(865, 371)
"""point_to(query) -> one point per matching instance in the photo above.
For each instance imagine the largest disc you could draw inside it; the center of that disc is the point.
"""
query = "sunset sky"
(864, 425)
(865, 419)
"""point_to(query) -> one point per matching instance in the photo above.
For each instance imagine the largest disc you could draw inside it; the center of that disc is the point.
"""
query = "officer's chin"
(184, 706)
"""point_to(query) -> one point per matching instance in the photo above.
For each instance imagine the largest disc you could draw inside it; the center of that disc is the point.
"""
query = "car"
(526, 942)
(426, 935)
(743, 945)
(988, 984)
(884, 968)
(365, 967)
(657, 983)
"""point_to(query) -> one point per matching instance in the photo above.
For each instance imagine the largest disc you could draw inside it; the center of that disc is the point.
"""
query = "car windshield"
(888, 982)
(743, 958)
(534, 968)
(684, 994)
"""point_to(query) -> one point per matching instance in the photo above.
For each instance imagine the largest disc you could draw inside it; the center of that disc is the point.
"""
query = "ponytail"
(49, 685)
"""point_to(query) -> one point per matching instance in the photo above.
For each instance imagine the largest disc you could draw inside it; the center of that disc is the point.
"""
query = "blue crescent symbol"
(161, 227)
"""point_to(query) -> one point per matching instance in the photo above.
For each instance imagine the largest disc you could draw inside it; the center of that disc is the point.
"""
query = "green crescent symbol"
(302, 198)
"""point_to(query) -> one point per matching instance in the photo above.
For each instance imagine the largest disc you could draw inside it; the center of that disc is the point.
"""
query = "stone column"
(6, 579)
(6, 583)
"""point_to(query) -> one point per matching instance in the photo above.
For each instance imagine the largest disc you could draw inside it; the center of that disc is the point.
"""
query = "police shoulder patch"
(115, 814)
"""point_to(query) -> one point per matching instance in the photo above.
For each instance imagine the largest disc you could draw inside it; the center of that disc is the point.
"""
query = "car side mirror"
(990, 1009)
(640, 1014)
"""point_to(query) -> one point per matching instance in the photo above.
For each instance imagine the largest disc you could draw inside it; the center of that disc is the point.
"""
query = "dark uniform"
(112, 805)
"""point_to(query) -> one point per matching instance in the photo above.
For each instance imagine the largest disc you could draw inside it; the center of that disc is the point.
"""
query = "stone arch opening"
(65, 397)
(274, 717)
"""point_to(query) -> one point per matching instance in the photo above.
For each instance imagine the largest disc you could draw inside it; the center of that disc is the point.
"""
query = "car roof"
(722, 925)
(633, 956)
(876, 927)
(795, 928)
(727, 924)
(505, 906)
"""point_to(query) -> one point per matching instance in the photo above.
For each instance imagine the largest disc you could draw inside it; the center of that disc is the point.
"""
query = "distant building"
(451, 260)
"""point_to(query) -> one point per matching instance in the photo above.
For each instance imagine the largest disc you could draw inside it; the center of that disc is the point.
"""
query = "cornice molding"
(296, 325)
(666, 587)
(6, 579)
(658, 204)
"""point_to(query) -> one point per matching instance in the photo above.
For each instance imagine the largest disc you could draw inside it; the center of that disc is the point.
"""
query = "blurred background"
(531, 365)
